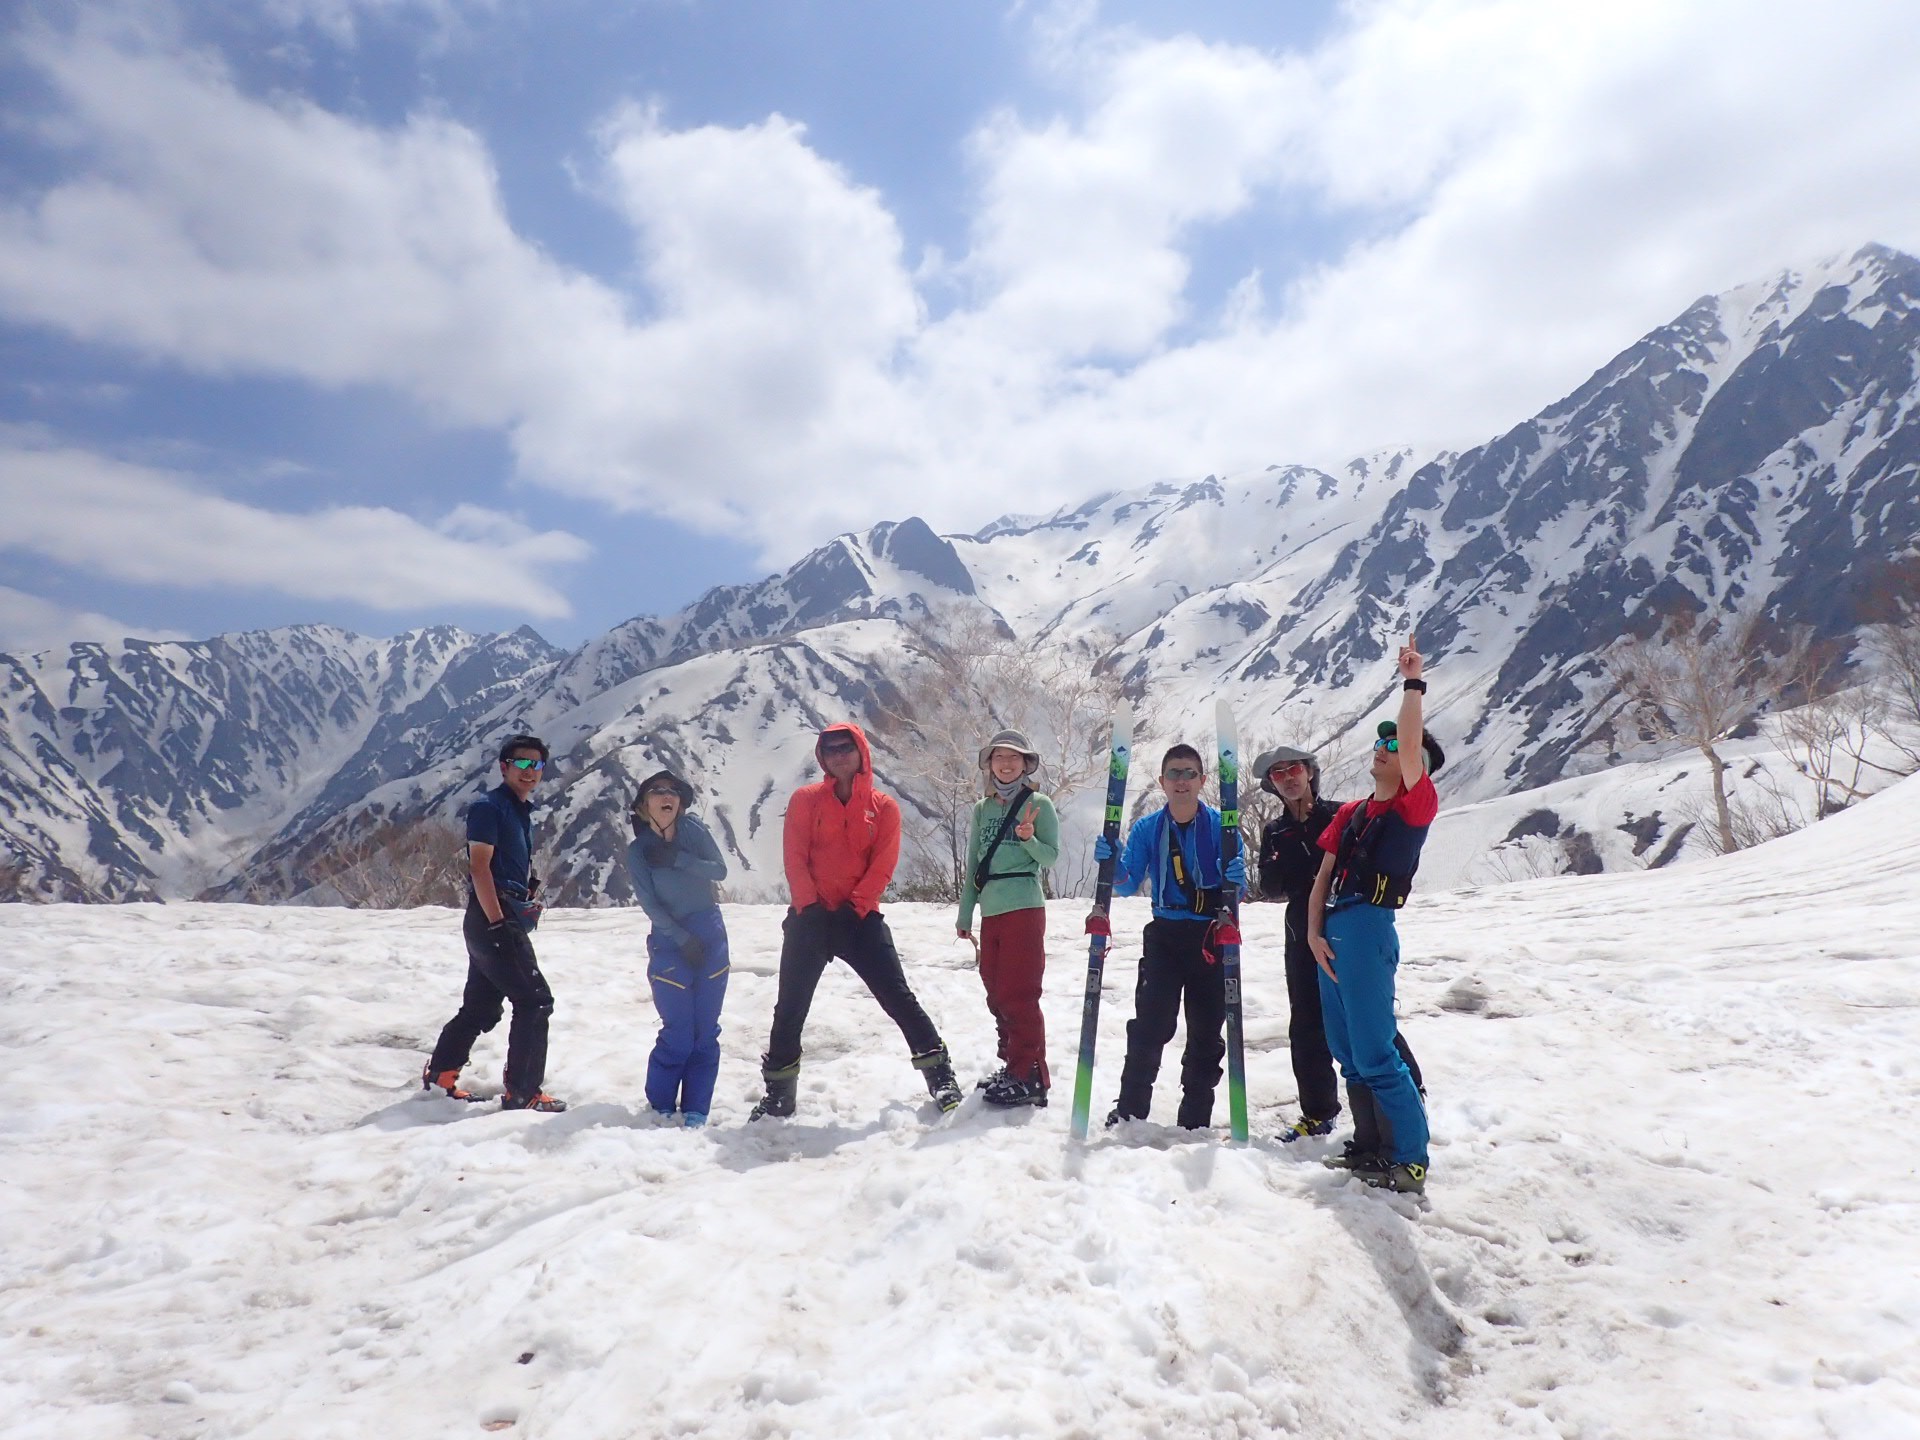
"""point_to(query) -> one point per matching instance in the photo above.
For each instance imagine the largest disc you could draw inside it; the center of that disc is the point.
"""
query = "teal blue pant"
(1360, 1024)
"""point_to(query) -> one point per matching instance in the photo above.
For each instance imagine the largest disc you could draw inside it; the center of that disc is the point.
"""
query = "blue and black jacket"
(1181, 861)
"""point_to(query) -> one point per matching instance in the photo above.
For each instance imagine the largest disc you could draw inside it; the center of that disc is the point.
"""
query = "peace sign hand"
(1024, 830)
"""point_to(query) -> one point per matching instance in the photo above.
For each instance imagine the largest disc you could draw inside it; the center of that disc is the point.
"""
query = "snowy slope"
(1762, 448)
(1652, 1211)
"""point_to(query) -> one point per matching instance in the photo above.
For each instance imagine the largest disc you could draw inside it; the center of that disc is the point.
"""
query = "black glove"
(657, 852)
(807, 917)
(692, 947)
(509, 938)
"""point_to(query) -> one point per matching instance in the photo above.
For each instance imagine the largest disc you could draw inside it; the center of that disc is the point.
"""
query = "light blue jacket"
(683, 885)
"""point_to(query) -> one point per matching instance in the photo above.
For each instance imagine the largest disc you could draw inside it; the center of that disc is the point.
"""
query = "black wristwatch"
(1419, 685)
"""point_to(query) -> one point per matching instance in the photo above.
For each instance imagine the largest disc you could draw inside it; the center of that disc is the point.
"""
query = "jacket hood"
(859, 739)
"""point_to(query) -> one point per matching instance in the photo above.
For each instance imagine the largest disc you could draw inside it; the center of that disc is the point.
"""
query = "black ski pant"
(811, 940)
(499, 971)
(1174, 968)
(1313, 1070)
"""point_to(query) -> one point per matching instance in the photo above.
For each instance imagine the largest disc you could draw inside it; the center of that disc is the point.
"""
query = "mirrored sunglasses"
(1181, 772)
(1290, 767)
(1391, 745)
(522, 763)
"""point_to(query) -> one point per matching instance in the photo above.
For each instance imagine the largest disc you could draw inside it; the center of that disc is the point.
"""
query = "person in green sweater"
(1015, 835)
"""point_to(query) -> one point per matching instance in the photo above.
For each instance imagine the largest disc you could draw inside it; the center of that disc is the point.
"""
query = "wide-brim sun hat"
(1011, 740)
(680, 787)
(1436, 757)
(1285, 755)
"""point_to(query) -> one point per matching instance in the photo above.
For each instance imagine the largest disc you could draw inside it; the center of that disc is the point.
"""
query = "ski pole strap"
(1007, 822)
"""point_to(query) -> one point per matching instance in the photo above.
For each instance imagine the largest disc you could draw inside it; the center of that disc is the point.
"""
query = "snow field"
(1673, 1187)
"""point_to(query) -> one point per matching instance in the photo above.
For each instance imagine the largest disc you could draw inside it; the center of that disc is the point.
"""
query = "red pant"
(1013, 957)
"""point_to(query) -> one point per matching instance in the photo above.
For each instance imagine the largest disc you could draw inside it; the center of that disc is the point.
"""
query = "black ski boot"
(1362, 1164)
(783, 1089)
(1007, 1092)
(938, 1069)
(1363, 1154)
(1408, 1179)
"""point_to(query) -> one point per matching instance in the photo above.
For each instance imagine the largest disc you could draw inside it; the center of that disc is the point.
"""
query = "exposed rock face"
(1763, 447)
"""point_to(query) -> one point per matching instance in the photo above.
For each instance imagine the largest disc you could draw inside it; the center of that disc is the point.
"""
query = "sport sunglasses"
(522, 763)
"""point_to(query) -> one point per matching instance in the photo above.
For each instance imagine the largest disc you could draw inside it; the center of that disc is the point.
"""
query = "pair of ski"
(1226, 920)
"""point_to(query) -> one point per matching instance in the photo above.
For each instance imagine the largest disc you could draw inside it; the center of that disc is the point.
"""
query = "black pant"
(1307, 1032)
(496, 974)
(812, 939)
(1173, 966)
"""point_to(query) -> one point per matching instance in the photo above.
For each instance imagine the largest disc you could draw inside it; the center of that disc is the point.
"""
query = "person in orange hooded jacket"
(841, 843)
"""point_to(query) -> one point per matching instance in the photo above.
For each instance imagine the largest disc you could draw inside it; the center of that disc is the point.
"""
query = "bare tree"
(969, 678)
(1699, 680)
(398, 866)
(1894, 648)
(1827, 740)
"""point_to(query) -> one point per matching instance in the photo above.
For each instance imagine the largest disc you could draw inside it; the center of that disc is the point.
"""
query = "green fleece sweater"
(1021, 859)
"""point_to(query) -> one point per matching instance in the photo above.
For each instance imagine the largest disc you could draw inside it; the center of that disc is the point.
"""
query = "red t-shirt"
(1417, 807)
(1394, 844)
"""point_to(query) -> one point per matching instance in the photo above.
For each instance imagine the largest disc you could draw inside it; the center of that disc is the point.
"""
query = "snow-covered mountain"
(1763, 447)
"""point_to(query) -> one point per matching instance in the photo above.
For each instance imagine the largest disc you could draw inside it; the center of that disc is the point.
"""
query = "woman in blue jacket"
(675, 865)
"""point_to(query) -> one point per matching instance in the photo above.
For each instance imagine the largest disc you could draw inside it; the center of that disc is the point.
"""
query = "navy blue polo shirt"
(500, 819)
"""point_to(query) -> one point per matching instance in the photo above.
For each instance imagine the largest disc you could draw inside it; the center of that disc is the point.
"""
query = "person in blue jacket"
(675, 865)
(1177, 851)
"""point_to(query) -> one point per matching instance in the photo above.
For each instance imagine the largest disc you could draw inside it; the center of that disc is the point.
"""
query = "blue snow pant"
(1358, 1014)
(687, 995)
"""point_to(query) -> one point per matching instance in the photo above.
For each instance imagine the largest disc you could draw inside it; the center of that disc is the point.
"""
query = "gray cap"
(1011, 740)
(1286, 755)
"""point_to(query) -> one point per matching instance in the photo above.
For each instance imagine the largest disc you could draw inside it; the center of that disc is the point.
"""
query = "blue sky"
(491, 312)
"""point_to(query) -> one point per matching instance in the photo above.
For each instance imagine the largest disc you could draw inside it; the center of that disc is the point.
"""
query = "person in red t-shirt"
(841, 843)
(1372, 851)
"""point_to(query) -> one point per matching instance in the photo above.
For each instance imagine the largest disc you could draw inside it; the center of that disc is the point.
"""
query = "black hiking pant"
(811, 940)
(499, 973)
(1174, 968)
(1313, 1070)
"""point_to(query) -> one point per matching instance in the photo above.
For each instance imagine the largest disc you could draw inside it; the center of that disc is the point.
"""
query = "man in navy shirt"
(501, 909)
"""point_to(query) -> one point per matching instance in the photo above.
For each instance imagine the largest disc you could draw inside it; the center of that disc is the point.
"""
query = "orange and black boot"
(447, 1082)
(547, 1104)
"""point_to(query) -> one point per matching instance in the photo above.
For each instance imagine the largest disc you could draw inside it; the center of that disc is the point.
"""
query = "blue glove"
(1237, 872)
(1102, 847)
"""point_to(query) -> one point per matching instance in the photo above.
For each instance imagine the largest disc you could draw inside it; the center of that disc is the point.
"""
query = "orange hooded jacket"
(838, 854)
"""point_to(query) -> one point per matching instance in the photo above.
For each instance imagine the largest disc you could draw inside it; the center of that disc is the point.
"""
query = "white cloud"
(147, 526)
(1534, 186)
(30, 624)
